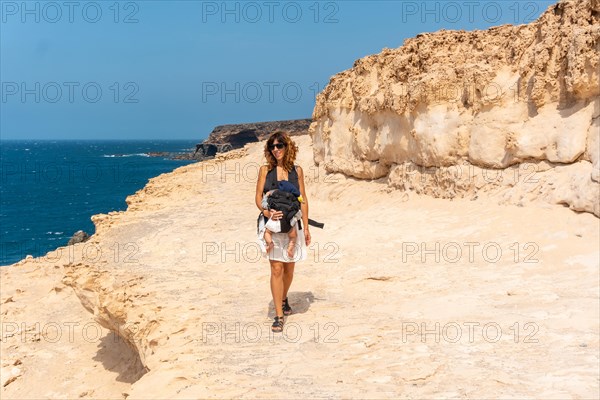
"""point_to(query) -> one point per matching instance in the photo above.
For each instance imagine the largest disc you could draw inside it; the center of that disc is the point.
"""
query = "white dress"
(280, 244)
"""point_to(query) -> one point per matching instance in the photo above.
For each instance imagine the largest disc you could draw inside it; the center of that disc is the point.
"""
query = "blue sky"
(175, 69)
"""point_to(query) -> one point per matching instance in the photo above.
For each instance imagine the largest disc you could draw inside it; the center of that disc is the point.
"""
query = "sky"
(158, 69)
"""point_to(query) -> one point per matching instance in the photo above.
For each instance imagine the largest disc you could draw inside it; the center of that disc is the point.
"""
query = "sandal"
(277, 324)
(287, 310)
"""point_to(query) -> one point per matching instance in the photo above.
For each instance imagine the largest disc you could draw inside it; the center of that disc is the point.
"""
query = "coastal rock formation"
(177, 297)
(479, 103)
(234, 136)
(227, 137)
(178, 280)
(189, 155)
(211, 149)
(78, 237)
(237, 135)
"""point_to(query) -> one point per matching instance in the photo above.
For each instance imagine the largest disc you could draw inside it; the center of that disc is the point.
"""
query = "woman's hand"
(307, 236)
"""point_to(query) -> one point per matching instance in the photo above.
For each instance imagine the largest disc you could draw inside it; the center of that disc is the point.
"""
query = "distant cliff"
(224, 138)
(235, 136)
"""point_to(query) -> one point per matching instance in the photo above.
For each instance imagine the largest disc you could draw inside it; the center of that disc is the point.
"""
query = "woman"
(280, 152)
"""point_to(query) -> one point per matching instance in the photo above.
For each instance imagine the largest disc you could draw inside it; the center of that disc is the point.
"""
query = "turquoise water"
(50, 189)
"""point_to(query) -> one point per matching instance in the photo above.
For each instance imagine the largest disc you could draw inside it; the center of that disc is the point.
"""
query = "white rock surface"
(492, 99)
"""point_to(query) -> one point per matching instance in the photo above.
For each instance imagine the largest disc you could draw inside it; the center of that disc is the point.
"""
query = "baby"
(286, 201)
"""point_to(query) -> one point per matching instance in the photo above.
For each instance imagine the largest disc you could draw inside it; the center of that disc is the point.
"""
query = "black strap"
(316, 224)
(271, 179)
(311, 222)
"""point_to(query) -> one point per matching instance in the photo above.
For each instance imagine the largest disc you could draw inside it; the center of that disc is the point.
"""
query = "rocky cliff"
(512, 110)
(237, 135)
(225, 138)
(178, 280)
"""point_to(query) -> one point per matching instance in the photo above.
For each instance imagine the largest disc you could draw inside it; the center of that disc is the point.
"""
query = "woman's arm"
(260, 185)
(304, 204)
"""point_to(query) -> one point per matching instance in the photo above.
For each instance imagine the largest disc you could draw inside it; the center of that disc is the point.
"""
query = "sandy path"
(517, 309)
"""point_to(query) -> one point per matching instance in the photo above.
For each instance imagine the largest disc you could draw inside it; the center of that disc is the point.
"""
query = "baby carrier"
(286, 202)
(281, 199)
(271, 183)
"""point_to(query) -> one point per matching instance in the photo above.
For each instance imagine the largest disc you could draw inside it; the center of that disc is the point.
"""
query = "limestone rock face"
(486, 99)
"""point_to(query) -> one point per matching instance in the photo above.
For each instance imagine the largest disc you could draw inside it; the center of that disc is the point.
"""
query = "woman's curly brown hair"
(291, 150)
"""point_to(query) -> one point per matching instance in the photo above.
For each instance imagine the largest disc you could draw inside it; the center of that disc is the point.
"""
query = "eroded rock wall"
(484, 99)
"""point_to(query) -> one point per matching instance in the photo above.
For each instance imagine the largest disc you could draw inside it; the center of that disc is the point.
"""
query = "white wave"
(126, 155)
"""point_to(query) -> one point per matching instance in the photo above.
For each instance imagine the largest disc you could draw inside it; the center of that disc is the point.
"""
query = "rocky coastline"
(449, 267)
(224, 138)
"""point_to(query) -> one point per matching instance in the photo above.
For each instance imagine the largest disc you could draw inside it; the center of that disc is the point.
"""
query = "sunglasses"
(278, 145)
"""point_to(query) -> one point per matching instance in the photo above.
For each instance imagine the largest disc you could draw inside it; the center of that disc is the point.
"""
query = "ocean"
(50, 189)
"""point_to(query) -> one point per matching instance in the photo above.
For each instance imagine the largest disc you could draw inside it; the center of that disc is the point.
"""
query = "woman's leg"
(288, 276)
(277, 286)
